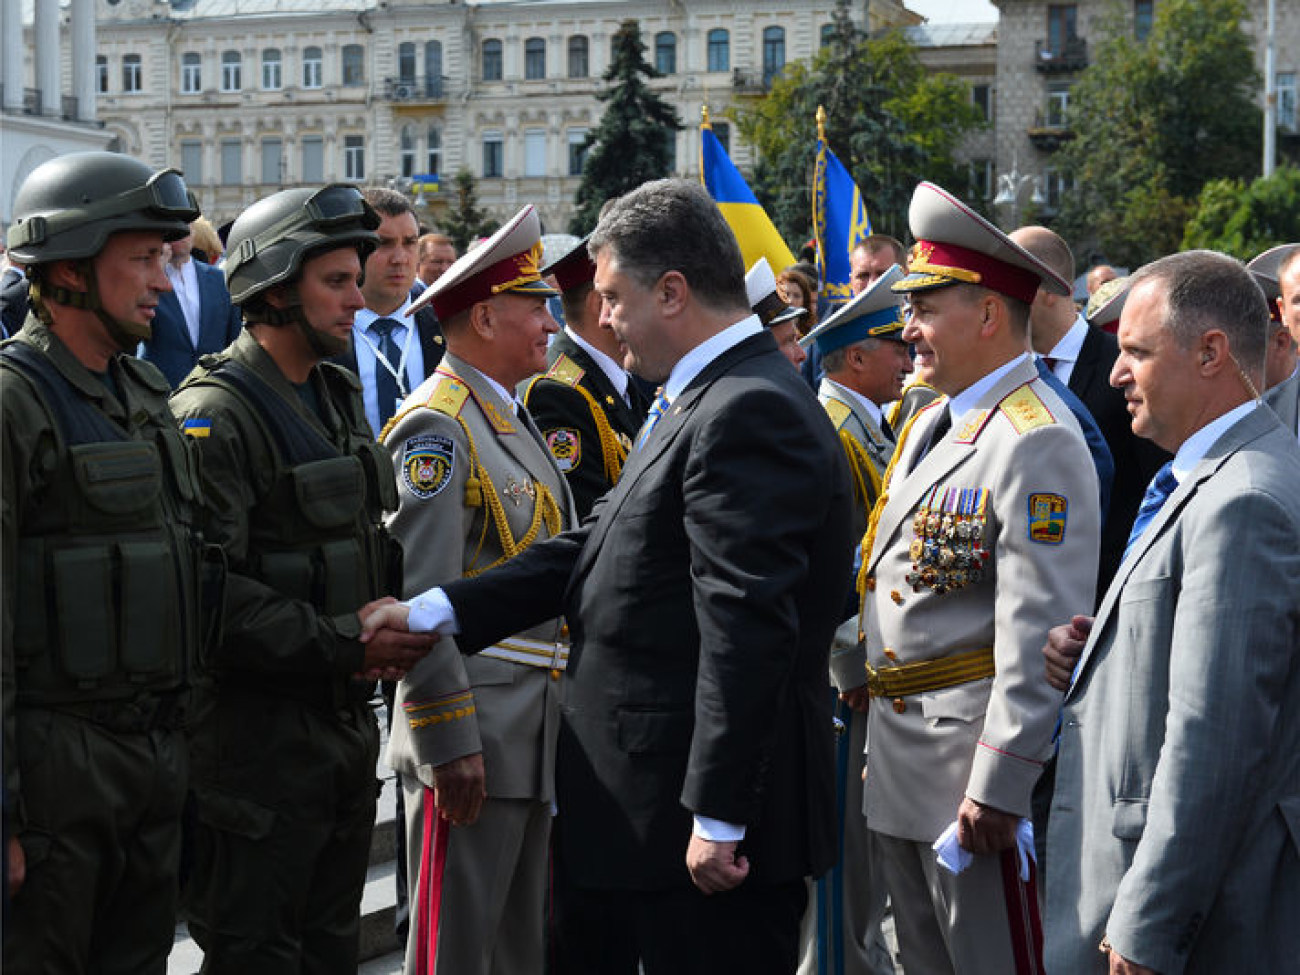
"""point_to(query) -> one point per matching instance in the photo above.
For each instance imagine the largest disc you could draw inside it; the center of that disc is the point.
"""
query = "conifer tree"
(465, 222)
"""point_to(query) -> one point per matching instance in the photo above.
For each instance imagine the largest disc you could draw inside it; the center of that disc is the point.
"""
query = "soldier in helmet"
(285, 743)
(101, 609)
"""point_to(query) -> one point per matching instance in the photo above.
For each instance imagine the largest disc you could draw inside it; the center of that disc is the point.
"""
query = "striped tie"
(657, 409)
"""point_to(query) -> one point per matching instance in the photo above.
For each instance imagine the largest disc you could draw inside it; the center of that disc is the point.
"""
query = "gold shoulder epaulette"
(1025, 409)
(565, 370)
(448, 396)
(837, 411)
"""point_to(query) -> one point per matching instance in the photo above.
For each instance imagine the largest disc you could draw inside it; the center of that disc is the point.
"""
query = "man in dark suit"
(13, 299)
(1081, 357)
(195, 318)
(389, 355)
(585, 404)
(695, 755)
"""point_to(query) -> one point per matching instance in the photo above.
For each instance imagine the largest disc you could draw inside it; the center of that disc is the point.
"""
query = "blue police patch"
(427, 464)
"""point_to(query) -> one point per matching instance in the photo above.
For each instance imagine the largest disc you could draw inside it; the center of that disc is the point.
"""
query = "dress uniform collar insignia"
(972, 425)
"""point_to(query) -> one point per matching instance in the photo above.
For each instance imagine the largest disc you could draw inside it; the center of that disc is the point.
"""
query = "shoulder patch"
(565, 445)
(565, 370)
(1047, 517)
(195, 426)
(837, 411)
(1025, 409)
(427, 464)
(448, 396)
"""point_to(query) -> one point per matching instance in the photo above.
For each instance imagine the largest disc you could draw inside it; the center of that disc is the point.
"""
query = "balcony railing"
(1068, 55)
(425, 88)
(1049, 132)
(748, 80)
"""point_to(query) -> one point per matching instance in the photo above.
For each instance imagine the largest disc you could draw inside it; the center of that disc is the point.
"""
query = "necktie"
(657, 409)
(886, 430)
(1050, 363)
(1158, 491)
(386, 389)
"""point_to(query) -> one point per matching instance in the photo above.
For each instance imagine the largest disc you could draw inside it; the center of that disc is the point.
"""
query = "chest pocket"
(330, 493)
(120, 480)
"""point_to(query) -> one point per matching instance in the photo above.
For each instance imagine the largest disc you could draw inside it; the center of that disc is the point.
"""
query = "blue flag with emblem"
(840, 219)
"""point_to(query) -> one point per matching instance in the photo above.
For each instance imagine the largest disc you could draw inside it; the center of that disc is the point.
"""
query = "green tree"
(1244, 219)
(1154, 121)
(634, 141)
(890, 121)
(465, 222)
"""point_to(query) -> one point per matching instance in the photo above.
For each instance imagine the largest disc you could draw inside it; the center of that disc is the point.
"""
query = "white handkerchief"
(955, 858)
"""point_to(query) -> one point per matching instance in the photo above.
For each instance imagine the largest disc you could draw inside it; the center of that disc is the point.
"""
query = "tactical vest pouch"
(382, 486)
(289, 573)
(83, 586)
(151, 608)
(118, 478)
(346, 584)
(331, 493)
(182, 462)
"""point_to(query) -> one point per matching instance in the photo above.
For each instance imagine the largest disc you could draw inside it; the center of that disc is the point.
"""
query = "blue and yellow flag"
(755, 232)
(840, 219)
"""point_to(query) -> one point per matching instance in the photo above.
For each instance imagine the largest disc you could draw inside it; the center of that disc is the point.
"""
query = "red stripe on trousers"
(433, 861)
(1026, 927)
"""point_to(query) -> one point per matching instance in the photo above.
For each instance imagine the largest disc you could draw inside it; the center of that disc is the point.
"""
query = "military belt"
(531, 653)
(930, 675)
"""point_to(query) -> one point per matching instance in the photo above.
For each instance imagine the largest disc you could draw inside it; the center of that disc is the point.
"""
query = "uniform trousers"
(983, 921)
(477, 893)
(102, 840)
(847, 921)
(283, 837)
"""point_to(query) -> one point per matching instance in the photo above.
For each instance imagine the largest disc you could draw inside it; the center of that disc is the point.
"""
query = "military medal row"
(948, 551)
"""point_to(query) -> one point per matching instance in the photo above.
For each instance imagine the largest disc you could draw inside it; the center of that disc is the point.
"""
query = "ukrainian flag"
(756, 234)
(840, 219)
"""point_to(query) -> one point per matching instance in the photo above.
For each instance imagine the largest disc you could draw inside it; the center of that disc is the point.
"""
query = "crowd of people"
(713, 626)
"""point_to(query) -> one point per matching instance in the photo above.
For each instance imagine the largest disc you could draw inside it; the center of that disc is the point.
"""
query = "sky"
(954, 11)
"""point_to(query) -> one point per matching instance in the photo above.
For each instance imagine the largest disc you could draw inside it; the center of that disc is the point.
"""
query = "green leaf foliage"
(465, 222)
(890, 121)
(634, 141)
(1154, 121)
(1244, 219)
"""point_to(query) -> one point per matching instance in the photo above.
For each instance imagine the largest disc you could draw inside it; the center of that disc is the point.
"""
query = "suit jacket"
(1284, 398)
(1136, 458)
(449, 706)
(170, 348)
(986, 739)
(570, 425)
(1175, 826)
(13, 302)
(701, 593)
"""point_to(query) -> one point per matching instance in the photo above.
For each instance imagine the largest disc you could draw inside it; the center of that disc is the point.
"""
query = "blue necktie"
(1158, 491)
(657, 409)
(386, 388)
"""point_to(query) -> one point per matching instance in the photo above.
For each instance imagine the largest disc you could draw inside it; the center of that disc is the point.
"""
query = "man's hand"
(1119, 965)
(1062, 650)
(459, 789)
(859, 699)
(17, 867)
(714, 866)
(386, 613)
(390, 654)
(983, 829)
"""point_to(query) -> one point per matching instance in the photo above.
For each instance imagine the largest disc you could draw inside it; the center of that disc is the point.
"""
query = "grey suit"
(1284, 398)
(1175, 825)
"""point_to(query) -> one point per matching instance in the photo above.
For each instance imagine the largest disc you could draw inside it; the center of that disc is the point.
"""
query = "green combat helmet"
(271, 240)
(67, 208)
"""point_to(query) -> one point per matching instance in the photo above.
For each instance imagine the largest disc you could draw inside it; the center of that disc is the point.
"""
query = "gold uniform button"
(896, 596)
(871, 583)
(555, 674)
(564, 631)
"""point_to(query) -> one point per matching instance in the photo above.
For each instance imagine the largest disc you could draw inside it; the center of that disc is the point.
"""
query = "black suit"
(13, 301)
(701, 595)
(1136, 459)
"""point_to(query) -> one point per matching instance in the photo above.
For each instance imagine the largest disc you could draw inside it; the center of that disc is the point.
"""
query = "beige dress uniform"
(1016, 472)
(464, 461)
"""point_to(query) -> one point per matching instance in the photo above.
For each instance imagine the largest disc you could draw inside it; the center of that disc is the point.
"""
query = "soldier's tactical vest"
(316, 535)
(109, 564)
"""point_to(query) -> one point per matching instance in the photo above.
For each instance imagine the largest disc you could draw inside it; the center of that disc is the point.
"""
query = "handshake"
(391, 650)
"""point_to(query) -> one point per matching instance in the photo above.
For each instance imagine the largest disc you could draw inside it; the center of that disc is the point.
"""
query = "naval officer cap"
(505, 262)
(1265, 269)
(1107, 303)
(574, 269)
(876, 313)
(955, 245)
(764, 300)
